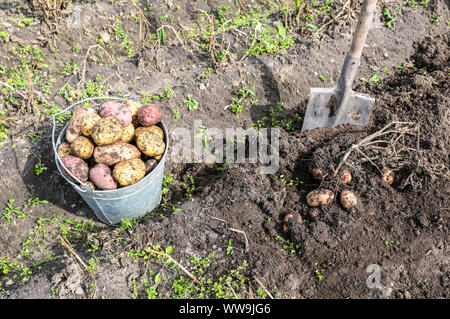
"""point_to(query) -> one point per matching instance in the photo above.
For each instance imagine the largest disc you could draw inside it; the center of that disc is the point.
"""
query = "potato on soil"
(150, 165)
(319, 197)
(82, 147)
(115, 152)
(87, 123)
(127, 133)
(74, 128)
(149, 114)
(121, 112)
(76, 166)
(155, 129)
(388, 176)
(349, 201)
(101, 176)
(316, 173)
(287, 218)
(150, 144)
(314, 212)
(106, 131)
(345, 176)
(64, 149)
(134, 107)
(129, 172)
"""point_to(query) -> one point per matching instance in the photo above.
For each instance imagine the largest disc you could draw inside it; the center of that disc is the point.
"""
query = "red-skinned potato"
(149, 114)
(74, 128)
(114, 153)
(76, 166)
(121, 112)
(102, 177)
(150, 165)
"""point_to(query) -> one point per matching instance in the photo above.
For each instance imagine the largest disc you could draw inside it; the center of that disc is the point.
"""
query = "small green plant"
(39, 168)
(203, 133)
(318, 272)
(388, 17)
(190, 188)
(288, 245)
(237, 103)
(323, 78)
(229, 248)
(190, 103)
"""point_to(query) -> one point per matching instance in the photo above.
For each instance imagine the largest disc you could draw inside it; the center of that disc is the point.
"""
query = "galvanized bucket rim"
(83, 187)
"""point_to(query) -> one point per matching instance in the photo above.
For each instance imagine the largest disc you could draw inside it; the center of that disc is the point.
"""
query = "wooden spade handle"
(365, 19)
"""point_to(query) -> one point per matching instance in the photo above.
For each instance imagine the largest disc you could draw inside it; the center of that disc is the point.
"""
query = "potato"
(158, 157)
(149, 114)
(155, 129)
(319, 197)
(64, 149)
(129, 172)
(82, 147)
(88, 122)
(76, 166)
(388, 176)
(106, 131)
(127, 133)
(90, 184)
(150, 165)
(150, 144)
(134, 107)
(289, 217)
(114, 153)
(101, 176)
(316, 173)
(345, 176)
(117, 110)
(314, 212)
(74, 128)
(349, 201)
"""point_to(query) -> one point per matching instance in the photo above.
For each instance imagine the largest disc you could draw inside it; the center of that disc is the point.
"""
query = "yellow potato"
(155, 129)
(64, 149)
(150, 144)
(82, 147)
(349, 201)
(134, 107)
(106, 131)
(127, 133)
(129, 172)
(88, 122)
(319, 197)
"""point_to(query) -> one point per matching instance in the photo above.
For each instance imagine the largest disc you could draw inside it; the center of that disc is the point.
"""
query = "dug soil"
(227, 231)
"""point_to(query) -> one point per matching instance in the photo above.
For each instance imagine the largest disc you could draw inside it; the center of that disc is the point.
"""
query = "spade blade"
(323, 109)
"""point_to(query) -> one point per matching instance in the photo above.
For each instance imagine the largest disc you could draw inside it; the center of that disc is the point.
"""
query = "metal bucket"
(111, 206)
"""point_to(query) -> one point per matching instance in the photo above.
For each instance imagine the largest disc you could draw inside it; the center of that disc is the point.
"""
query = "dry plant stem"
(334, 18)
(176, 263)
(65, 243)
(245, 236)
(242, 5)
(263, 287)
(234, 293)
(83, 73)
(175, 32)
(367, 140)
(212, 42)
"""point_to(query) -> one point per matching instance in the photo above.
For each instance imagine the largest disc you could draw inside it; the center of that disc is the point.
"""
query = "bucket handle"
(82, 186)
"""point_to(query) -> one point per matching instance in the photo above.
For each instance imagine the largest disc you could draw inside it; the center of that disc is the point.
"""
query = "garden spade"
(329, 107)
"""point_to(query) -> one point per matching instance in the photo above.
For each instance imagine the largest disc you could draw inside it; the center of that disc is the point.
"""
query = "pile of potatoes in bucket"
(113, 146)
